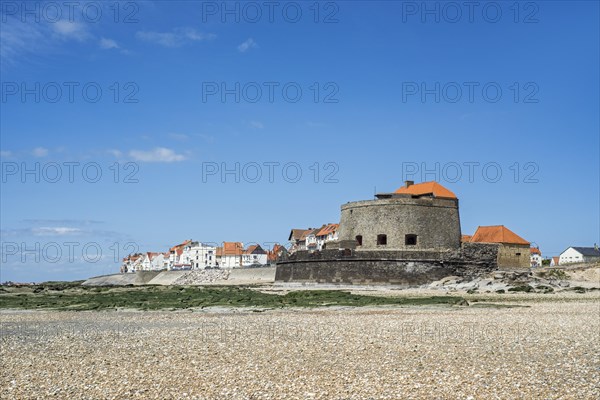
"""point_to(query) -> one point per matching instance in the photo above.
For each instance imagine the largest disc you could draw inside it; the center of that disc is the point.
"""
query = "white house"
(166, 260)
(311, 240)
(554, 261)
(202, 256)
(254, 255)
(579, 255)
(137, 264)
(327, 233)
(176, 259)
(230, 255)
(185, 259)
(151, 261)
(535, 257)
(157, 261)
(132, 263)
(297, 239)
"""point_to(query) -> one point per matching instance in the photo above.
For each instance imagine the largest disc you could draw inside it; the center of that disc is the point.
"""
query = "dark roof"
(588, 251)
(297, 234)
(255, 249)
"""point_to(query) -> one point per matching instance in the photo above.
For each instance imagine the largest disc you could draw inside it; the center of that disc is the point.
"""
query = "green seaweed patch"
(176, 297)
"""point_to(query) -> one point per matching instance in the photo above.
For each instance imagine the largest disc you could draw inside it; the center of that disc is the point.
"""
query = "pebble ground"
(547, 350)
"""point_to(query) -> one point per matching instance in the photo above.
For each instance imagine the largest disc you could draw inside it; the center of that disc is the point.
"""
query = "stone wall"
(435, 221)
(356, 271)
(476, 259)
(513, 257)
(406, 268)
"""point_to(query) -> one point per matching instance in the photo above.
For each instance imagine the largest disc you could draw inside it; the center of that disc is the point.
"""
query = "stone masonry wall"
(407, 268)
(435, 221)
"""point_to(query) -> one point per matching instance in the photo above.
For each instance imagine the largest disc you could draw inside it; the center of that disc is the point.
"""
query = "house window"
(382, 240)
(359, 240)
(410, 240)
(517, 254)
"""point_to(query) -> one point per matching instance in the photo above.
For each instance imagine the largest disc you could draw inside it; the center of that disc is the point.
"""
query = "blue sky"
(385, 87)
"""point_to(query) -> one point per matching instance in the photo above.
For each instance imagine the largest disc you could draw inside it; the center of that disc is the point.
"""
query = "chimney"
(409, 183)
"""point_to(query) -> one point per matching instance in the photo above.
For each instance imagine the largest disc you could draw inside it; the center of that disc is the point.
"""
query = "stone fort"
(408, 237)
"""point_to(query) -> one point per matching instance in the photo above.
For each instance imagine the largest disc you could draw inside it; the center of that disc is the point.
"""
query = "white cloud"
(32, 40)
(177, 38)
(108, 44)
(247, 45)
(5, 153)
(19, 40)
(159, 154)
(59, 230)
(39, 152)
(116, 153)
(71, 30)
(257, 124)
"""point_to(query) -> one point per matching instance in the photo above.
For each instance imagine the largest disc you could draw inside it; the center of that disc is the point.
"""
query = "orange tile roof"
(327, 229)
(556, 260)
(255, 249)
(272, 255)
(177, 246)
(465, 238)
(231, 249)
(427, 188)
(497, 234)
(535, 250)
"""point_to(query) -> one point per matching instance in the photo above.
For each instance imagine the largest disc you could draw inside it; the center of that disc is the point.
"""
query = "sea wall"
(402, 268)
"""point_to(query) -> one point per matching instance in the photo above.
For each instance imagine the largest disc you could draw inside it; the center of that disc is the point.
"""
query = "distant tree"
(546, 262)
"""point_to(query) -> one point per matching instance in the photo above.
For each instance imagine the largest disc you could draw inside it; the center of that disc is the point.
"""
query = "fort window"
(517, 254)
(382, 240)
(359, 240)
(410, 240)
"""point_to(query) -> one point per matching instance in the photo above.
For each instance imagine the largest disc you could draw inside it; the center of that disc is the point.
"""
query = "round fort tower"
(415, 217)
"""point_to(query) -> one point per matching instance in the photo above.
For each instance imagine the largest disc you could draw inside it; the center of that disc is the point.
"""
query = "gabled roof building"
(574, 255)
(513, 251)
